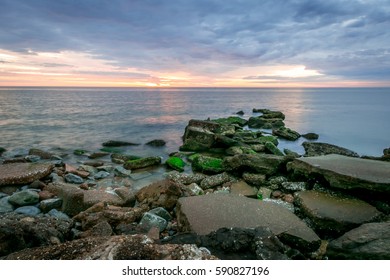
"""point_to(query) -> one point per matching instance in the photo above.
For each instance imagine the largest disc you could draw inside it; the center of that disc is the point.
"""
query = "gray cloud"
(341, 38)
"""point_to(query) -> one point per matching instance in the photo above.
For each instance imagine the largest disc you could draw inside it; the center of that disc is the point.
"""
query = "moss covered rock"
(175, 163)
(142, 163)
(207, 164)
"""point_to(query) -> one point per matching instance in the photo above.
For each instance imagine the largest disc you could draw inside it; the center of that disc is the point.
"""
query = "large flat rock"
(207, 213)
(333, 215)
(346, 172)
(23, 173)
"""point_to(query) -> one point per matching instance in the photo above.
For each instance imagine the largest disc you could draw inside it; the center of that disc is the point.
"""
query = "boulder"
(164, 193)
(72, 197)
(98, 155)
(175, 163)
(273, 149)
(151, 220)
(269, 114)
(122, 172)
(319, 149)
(256, 163)
(286, 133)
(114, 143)
(266, 123)
(214, 181)
(204, 214)
(206, 164)
(73, 179)
(142, 163)
(186, 179)
(18, 232)
(121, 247)
(121, 158)
(25, 197)
(347, 173)
(231, 120)
(156, 143)
(254, 179)
(23, 173)
(333, 216)
(367, 242)
(197, 139)
(310, 136)
(42, 154)
(242, 188)
(161, 212)
(48, 204)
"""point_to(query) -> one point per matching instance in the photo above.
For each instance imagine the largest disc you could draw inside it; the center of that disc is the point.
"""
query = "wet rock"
(258, 163)
(150, 220)
(273, 149)
(269, 114)
(199, 135)
(121, 171)
(294, 186)
(186, 179)
(127, 196)
(265, 123)
(22, 198)
(122, 247)
(2, 150)
(28, 210)
(204, 214)
(242, 188)
(310, 136)
(156, 143)
(142, 163)
(114, 143)
(73, 179)
(41, 153)
(206, 164)
(175, 163)
(23, 173)
(333, 216)
(121, 158)
(18, 232)
(58, 214)
(73, 197)
(286, 133)
(241, 113)
(367, 242)
(254, 179)
(164, 193)
(32, 158)
(161, 212)
(231, 120)
(87, 168)
(193, 189)
(291, 153)
(319, 149)
(347, 173)
(5, 206)
(98, 155)
(214, 181)
(102, 228)
(101, 175)
(263, 193)
(48, 204)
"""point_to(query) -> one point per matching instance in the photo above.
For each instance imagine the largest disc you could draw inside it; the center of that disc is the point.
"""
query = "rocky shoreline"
(228, 193)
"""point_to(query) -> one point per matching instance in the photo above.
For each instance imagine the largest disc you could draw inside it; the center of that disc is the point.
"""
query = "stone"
(114, 143)
(193, 189)
(269, 114)
(101, 175)
(310, 136)
(369, 241)
(58, 214)
(175, 163)
(263, 193)
(273, 149)
(253, 178)
(186, 179)
(241, 113)
(231, 120)
(5, 206)
(164, 193)
(313, 149)
(23, 173)
(98, 155)
(92, 197)
(197, 139)
(18, 232)
(265, 123)
(32, 158)
(204, 214)
(156, 143)
(2, 150)
(121, 158)
(87, 168)
(28, 210)
(102, 228)
(73, 179)
(127, 195)
(258, 163)
(333, 216)
(41, 153)
(294, 186)
(206, 164)
(73, 197)
(347, 173)
(142, 163)
(121, 171)
(22, 198)
(94, 163)
(150, 220)
(286, 133)
(161, 212)
(79, 152)
(214, 181)
(242, 188)
(48, 204)
(120, 247)
(293, 154)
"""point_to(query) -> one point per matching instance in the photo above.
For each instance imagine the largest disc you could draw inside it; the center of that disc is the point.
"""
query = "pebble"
(150, 220)
(101, 175)
(48, 204)
(161, 212)
(58, 214)
(28, 210)
(122, 172)
(25, 197)
(73, 179)
(5, 206)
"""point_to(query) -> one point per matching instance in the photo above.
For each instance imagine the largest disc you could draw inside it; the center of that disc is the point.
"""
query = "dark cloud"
(207, 36)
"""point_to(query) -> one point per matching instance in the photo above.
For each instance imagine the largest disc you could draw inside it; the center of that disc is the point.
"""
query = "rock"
(28, 210)
(269, 114)
(204, 214)
(142, 163)
(242, 188)
(161, 212)
(92, 197)
(22, 198)
(286, 133)
(258, 163)
(114, 143)
(367, 242)
(291, 153)
(2, 150)
(273, 149)
(319, 149)
(197, 139)
(102, 228)
(386, 152)
(101, 175)
(193, 189)
(263, 193)
(253, 178)
(98, 155)
(231, 120)
(73, 179)
(333, 216)
(58, 214)
(121, 171)
(23, 173)
(156, 143)
(346, 173)
(121, 247)
(206, 164)
(121, 158)
(186, 179)
(48, 204)
(127, 195)
(94, 163)
(73, 197)
(87, 168)
(164, 193)
(310, 136)
(18, 232)
(232, 151)
(294, 186)
(266, 123)
(175, 163)
(214, 181)
(42, 154)
(32, 158)
(150, 220)
(106, 168)
(241, 113)
(5, 206)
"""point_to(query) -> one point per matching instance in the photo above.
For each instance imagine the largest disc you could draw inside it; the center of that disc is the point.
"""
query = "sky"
(195, 43)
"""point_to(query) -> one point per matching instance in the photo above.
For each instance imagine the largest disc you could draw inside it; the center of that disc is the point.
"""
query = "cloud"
(348, 39)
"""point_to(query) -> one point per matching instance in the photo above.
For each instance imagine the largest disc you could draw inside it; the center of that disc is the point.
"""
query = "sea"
(84, 118)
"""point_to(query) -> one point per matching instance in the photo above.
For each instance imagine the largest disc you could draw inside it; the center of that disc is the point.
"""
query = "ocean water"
(72, 118)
